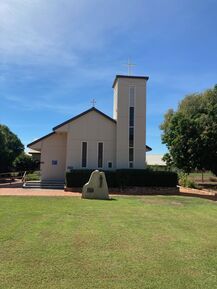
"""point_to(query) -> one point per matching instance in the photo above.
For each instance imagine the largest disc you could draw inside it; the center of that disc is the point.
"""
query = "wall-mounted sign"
(54, 162)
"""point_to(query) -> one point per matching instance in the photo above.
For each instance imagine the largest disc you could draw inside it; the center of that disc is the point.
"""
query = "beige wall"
(122, 86)
(52, 148)
(115, 102)
(92, 128)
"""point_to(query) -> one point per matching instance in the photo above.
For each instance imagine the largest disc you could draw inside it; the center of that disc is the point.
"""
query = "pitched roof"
(128, 76)
(75, 117)
(39, 139)
(82, 114)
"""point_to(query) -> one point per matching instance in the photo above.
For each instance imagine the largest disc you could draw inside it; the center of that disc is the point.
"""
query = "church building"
(93, 140)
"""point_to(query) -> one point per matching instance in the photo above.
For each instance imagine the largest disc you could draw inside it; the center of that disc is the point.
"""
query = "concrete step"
(44, 185)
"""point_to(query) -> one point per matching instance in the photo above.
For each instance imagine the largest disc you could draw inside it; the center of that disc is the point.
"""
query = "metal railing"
(10, 177)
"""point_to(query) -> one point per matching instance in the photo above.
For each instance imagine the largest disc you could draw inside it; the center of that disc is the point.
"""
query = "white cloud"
(56, 31)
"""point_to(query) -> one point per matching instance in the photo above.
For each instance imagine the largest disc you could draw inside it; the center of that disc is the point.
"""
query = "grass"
(207, 177)
(35, 176)
(161, 242)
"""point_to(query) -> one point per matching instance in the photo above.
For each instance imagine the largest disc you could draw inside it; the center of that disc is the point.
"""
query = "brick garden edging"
(197, 191)
(136, 190)
(182, 191)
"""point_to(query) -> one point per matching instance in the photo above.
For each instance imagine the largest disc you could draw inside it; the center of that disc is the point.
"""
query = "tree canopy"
(25, 162)
(190, 133)
(10, 148)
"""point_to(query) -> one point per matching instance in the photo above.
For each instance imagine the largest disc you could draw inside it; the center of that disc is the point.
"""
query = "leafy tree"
(10, 148)
(25, 162)
(168, 160)
(190, 133)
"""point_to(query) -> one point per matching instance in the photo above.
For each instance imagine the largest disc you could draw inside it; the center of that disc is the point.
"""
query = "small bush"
(35, 176)
(77, 178)
(126, 178)
(158, 168)
(213, 179)
(25, 163)
(184, 181)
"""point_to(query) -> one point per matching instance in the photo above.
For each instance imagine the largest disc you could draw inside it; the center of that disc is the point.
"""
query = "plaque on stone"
(96, 188)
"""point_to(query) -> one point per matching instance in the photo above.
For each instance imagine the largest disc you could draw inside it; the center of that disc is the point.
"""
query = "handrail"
(24, 177)
(11, 176)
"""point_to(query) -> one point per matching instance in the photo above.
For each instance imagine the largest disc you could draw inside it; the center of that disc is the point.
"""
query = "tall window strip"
(131, 124)
(84, 155)
(131, 118)
(130, 154)
(131, 137)
(100, 155)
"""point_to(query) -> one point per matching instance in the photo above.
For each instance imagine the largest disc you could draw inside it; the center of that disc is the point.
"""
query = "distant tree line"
(12, 155)
(190, 133)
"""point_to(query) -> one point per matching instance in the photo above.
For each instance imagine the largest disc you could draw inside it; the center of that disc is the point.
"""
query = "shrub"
(125, 178)
(77, 178)
(35, 176)
(25, 163)
(158, 168)
(184, 181)
(213, 179)
(146, 178)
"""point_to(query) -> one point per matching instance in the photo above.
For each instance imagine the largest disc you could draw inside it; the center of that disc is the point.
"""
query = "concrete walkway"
(36, 192)
(17, 190)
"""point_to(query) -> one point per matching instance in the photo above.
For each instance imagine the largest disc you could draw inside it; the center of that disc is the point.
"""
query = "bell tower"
(130, 113)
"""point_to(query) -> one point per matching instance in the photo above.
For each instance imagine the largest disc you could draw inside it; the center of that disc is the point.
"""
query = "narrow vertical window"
(100, 155)
(131, 137)
(131, 124)
(109, 165)
(131, 165)
(131, 116)
(84, 155)
(130, 154)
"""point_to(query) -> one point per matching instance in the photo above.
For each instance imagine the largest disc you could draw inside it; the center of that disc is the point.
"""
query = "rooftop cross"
(130, 65)
(93, 102)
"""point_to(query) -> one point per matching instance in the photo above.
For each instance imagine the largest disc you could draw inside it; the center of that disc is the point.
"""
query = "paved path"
(19, 191)
(36, 192)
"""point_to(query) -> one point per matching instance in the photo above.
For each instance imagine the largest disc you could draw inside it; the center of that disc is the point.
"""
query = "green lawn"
(154, 242)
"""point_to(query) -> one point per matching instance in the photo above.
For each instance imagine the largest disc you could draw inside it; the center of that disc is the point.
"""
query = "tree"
(25, 162)
(168, 160)
(190, 133)
(10, 148)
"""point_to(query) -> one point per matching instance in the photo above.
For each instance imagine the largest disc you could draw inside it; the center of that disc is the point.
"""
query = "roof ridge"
(83, 113)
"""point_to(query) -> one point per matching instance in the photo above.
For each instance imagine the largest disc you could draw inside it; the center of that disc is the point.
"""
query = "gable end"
(82, 114)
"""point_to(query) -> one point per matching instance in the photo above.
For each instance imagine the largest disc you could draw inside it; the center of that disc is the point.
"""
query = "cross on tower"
(93, 102)
(129, 65)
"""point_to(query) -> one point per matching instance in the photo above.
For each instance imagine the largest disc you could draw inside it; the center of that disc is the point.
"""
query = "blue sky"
(57, 55)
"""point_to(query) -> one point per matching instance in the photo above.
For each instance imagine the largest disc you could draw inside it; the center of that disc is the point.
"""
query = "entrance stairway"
(48, 184)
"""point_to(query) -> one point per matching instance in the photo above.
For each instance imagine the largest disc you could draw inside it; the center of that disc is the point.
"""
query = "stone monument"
(96, 188)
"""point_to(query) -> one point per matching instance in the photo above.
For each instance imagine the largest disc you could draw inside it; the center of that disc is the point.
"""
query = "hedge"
(125, 178)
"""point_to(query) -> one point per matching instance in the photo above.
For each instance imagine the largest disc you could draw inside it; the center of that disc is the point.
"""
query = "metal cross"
(130, 65)
(93, 102)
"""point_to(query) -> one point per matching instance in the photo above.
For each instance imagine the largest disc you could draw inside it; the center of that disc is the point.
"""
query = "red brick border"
(136, 190)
